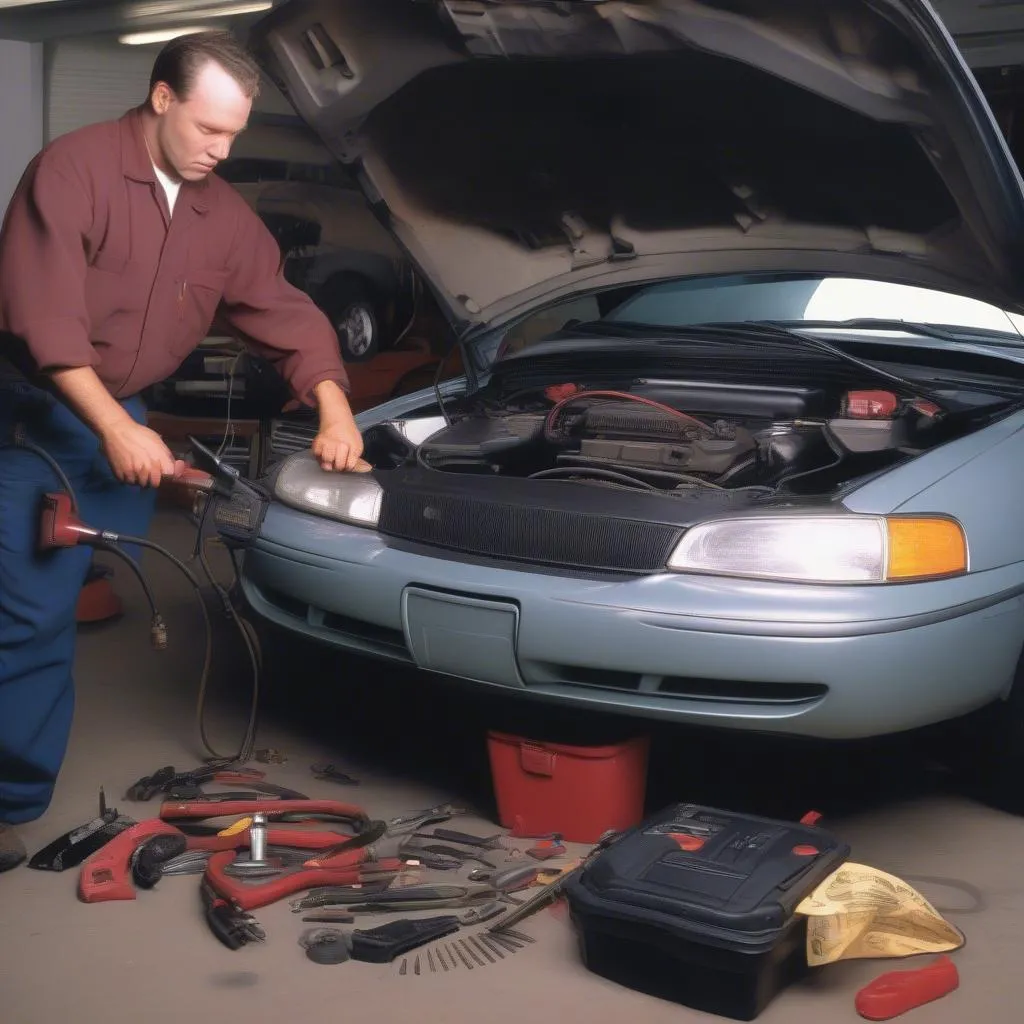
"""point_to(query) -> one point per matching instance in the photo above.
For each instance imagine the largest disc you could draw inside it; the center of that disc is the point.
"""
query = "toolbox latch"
(536, 760)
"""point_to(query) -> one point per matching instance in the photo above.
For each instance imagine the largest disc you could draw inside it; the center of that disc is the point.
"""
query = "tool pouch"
(381, 945)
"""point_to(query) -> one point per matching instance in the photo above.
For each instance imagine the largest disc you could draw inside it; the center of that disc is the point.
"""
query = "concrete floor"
(414, 741)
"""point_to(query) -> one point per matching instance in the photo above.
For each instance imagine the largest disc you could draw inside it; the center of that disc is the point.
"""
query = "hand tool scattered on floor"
(445, 835)
(74, 847)
(547, 849)
(107, 874)
(895, 992)
(415, 820)
(325, 945)
(251, 897)
(408, 898)
(385, 943)
(233, 928)
(257, 863)
(274, 809)
(549, 893)
(453, 951)
(147, 862)
(331, 773)
(479, 914)
(163, 780)
(518, 876)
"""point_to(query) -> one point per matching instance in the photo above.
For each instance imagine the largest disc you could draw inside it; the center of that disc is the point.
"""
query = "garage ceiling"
(989, 32)
(42, 20)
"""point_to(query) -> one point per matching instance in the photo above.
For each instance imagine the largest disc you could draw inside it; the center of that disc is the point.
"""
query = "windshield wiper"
(768, 330)
(905, 326)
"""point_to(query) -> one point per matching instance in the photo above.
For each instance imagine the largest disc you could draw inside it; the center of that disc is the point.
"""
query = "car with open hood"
(737, 287)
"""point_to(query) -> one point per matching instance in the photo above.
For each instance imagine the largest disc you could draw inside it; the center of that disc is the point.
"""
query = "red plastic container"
(579, 792)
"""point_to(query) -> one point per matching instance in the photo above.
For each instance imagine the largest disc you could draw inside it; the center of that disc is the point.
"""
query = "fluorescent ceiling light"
(219, 11)
(162, 36)
(227, 10)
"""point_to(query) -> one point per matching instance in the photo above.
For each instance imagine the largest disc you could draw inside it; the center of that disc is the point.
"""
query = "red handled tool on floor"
(245, 896)
(107, 875)
(895, 992)
(290, 810)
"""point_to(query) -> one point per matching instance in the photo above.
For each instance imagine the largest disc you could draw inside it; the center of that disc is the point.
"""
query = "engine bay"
(673, 437)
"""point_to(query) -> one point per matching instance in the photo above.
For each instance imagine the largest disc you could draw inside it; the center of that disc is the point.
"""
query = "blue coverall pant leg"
(39, 591)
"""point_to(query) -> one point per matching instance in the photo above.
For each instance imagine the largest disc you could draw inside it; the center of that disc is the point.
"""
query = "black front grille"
(528, 534)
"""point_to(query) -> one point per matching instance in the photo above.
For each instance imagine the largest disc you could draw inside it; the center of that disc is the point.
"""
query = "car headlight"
(348, 497)
(825, 548)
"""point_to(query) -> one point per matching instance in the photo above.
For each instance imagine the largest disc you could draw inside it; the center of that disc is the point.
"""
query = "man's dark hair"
(180, 61)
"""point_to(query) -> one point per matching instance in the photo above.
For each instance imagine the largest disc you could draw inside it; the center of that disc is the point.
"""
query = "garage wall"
(21, 113)
(92, 80)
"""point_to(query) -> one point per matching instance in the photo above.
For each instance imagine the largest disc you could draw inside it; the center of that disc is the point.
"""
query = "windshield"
(690, 302)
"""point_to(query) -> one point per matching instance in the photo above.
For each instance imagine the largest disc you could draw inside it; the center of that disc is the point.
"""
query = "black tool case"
(697, 906)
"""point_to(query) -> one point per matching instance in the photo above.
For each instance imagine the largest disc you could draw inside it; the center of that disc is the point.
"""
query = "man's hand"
(138, 455)
(339, 444)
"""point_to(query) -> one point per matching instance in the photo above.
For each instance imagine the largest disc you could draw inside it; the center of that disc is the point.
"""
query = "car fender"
(978, 479)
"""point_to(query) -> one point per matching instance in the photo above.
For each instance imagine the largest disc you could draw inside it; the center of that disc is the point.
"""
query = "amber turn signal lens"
(925, 548)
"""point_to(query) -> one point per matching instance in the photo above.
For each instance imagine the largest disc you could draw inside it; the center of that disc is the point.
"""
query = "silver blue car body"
(887, 598)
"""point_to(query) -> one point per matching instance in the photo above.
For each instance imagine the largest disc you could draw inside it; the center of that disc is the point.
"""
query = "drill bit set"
(473, 951)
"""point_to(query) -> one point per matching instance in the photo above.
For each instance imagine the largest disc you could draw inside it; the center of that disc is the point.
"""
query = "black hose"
(20, 441)
(110, 543)
(603, 474)
(131, 563)
(245, 751)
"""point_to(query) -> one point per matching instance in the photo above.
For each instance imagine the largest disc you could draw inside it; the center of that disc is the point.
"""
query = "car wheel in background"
(350, 306)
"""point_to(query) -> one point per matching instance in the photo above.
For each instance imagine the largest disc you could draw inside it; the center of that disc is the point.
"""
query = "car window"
(687, 303)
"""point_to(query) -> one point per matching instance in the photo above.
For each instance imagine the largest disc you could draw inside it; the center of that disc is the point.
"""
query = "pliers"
(232, 928)
(165, 779)
(357, 869)
(274, 809)
(415, 820)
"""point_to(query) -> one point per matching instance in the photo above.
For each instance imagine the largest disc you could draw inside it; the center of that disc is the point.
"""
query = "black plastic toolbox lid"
(707, 875)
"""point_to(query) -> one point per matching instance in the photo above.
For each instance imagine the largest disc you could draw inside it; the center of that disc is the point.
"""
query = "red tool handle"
(896, 992)
(296, 839)
(246, 896)
(107, 874)
(272, 807)
(191, 477)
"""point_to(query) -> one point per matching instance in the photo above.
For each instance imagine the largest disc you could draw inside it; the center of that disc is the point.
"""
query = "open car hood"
(525, 150)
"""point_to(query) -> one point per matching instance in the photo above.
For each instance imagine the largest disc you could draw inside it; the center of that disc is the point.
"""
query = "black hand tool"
(381, 945)
(73, 848)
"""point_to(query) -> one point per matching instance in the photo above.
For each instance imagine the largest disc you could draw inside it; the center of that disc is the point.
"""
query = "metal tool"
(460, 954)
(519, 876)
(495, 947)
(331, 773)
(553, 890)
(477, 915)
(511, 945)
(472, 952)
(475, 941)
(415, 820)
(257, 864)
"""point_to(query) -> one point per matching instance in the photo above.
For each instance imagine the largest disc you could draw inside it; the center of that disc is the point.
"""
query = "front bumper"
(833, 662)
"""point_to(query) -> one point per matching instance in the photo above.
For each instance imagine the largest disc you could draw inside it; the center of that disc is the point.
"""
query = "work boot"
(12, 849)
